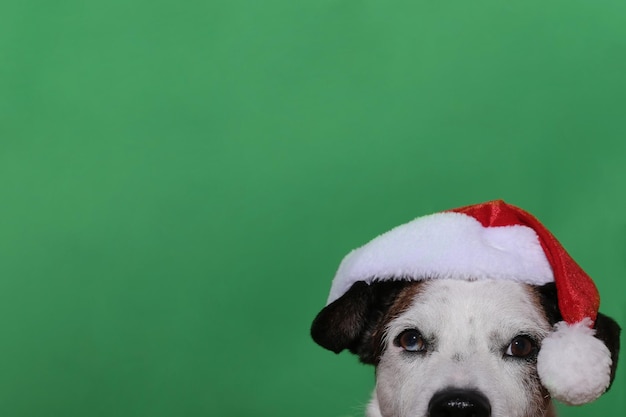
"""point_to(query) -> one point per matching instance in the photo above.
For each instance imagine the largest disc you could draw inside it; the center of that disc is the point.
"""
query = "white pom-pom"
(573, 365)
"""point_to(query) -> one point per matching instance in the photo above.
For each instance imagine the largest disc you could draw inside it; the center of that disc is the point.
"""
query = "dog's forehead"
(482, 305)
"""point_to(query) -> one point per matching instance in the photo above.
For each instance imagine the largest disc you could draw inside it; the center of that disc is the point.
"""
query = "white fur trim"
(573, 365)
(446, 245)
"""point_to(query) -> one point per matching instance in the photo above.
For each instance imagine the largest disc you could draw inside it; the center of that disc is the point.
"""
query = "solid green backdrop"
(180, 179)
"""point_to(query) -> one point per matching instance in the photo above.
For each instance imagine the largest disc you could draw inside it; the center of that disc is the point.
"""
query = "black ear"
(608, 331)
(351, 321)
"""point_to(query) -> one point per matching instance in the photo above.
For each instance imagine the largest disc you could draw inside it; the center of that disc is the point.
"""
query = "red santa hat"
(496, 240)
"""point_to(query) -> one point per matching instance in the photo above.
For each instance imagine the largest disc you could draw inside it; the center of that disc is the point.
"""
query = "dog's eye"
(411, 340)
(521, 347)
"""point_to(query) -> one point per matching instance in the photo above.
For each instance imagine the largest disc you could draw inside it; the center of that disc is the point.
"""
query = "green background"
(180, 179)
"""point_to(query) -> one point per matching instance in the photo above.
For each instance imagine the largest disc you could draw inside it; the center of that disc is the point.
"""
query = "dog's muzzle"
(455, 402)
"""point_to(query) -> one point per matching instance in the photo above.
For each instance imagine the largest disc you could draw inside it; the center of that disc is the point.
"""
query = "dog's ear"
(352, 321)
(608, 331)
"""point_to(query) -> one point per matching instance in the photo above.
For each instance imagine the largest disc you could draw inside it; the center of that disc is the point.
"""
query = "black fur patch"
(353, 321)
(549, 302)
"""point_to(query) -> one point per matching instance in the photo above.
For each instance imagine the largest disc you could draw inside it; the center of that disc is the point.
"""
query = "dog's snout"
(455, 402)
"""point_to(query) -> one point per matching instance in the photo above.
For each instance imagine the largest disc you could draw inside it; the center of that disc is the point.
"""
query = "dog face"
(450, 347)
(477, 341)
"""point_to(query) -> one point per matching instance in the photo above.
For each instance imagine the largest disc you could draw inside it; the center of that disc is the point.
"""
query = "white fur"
(446, 245)
(573, 365)
(467, 326)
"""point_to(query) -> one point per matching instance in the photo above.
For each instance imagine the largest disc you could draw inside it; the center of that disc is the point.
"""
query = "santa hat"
(496, 240)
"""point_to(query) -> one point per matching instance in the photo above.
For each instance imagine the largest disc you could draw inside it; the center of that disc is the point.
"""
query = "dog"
(473, 312)
(447, 348)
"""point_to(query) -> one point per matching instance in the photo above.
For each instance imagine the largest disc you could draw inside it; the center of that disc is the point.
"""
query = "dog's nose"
(455, 402)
